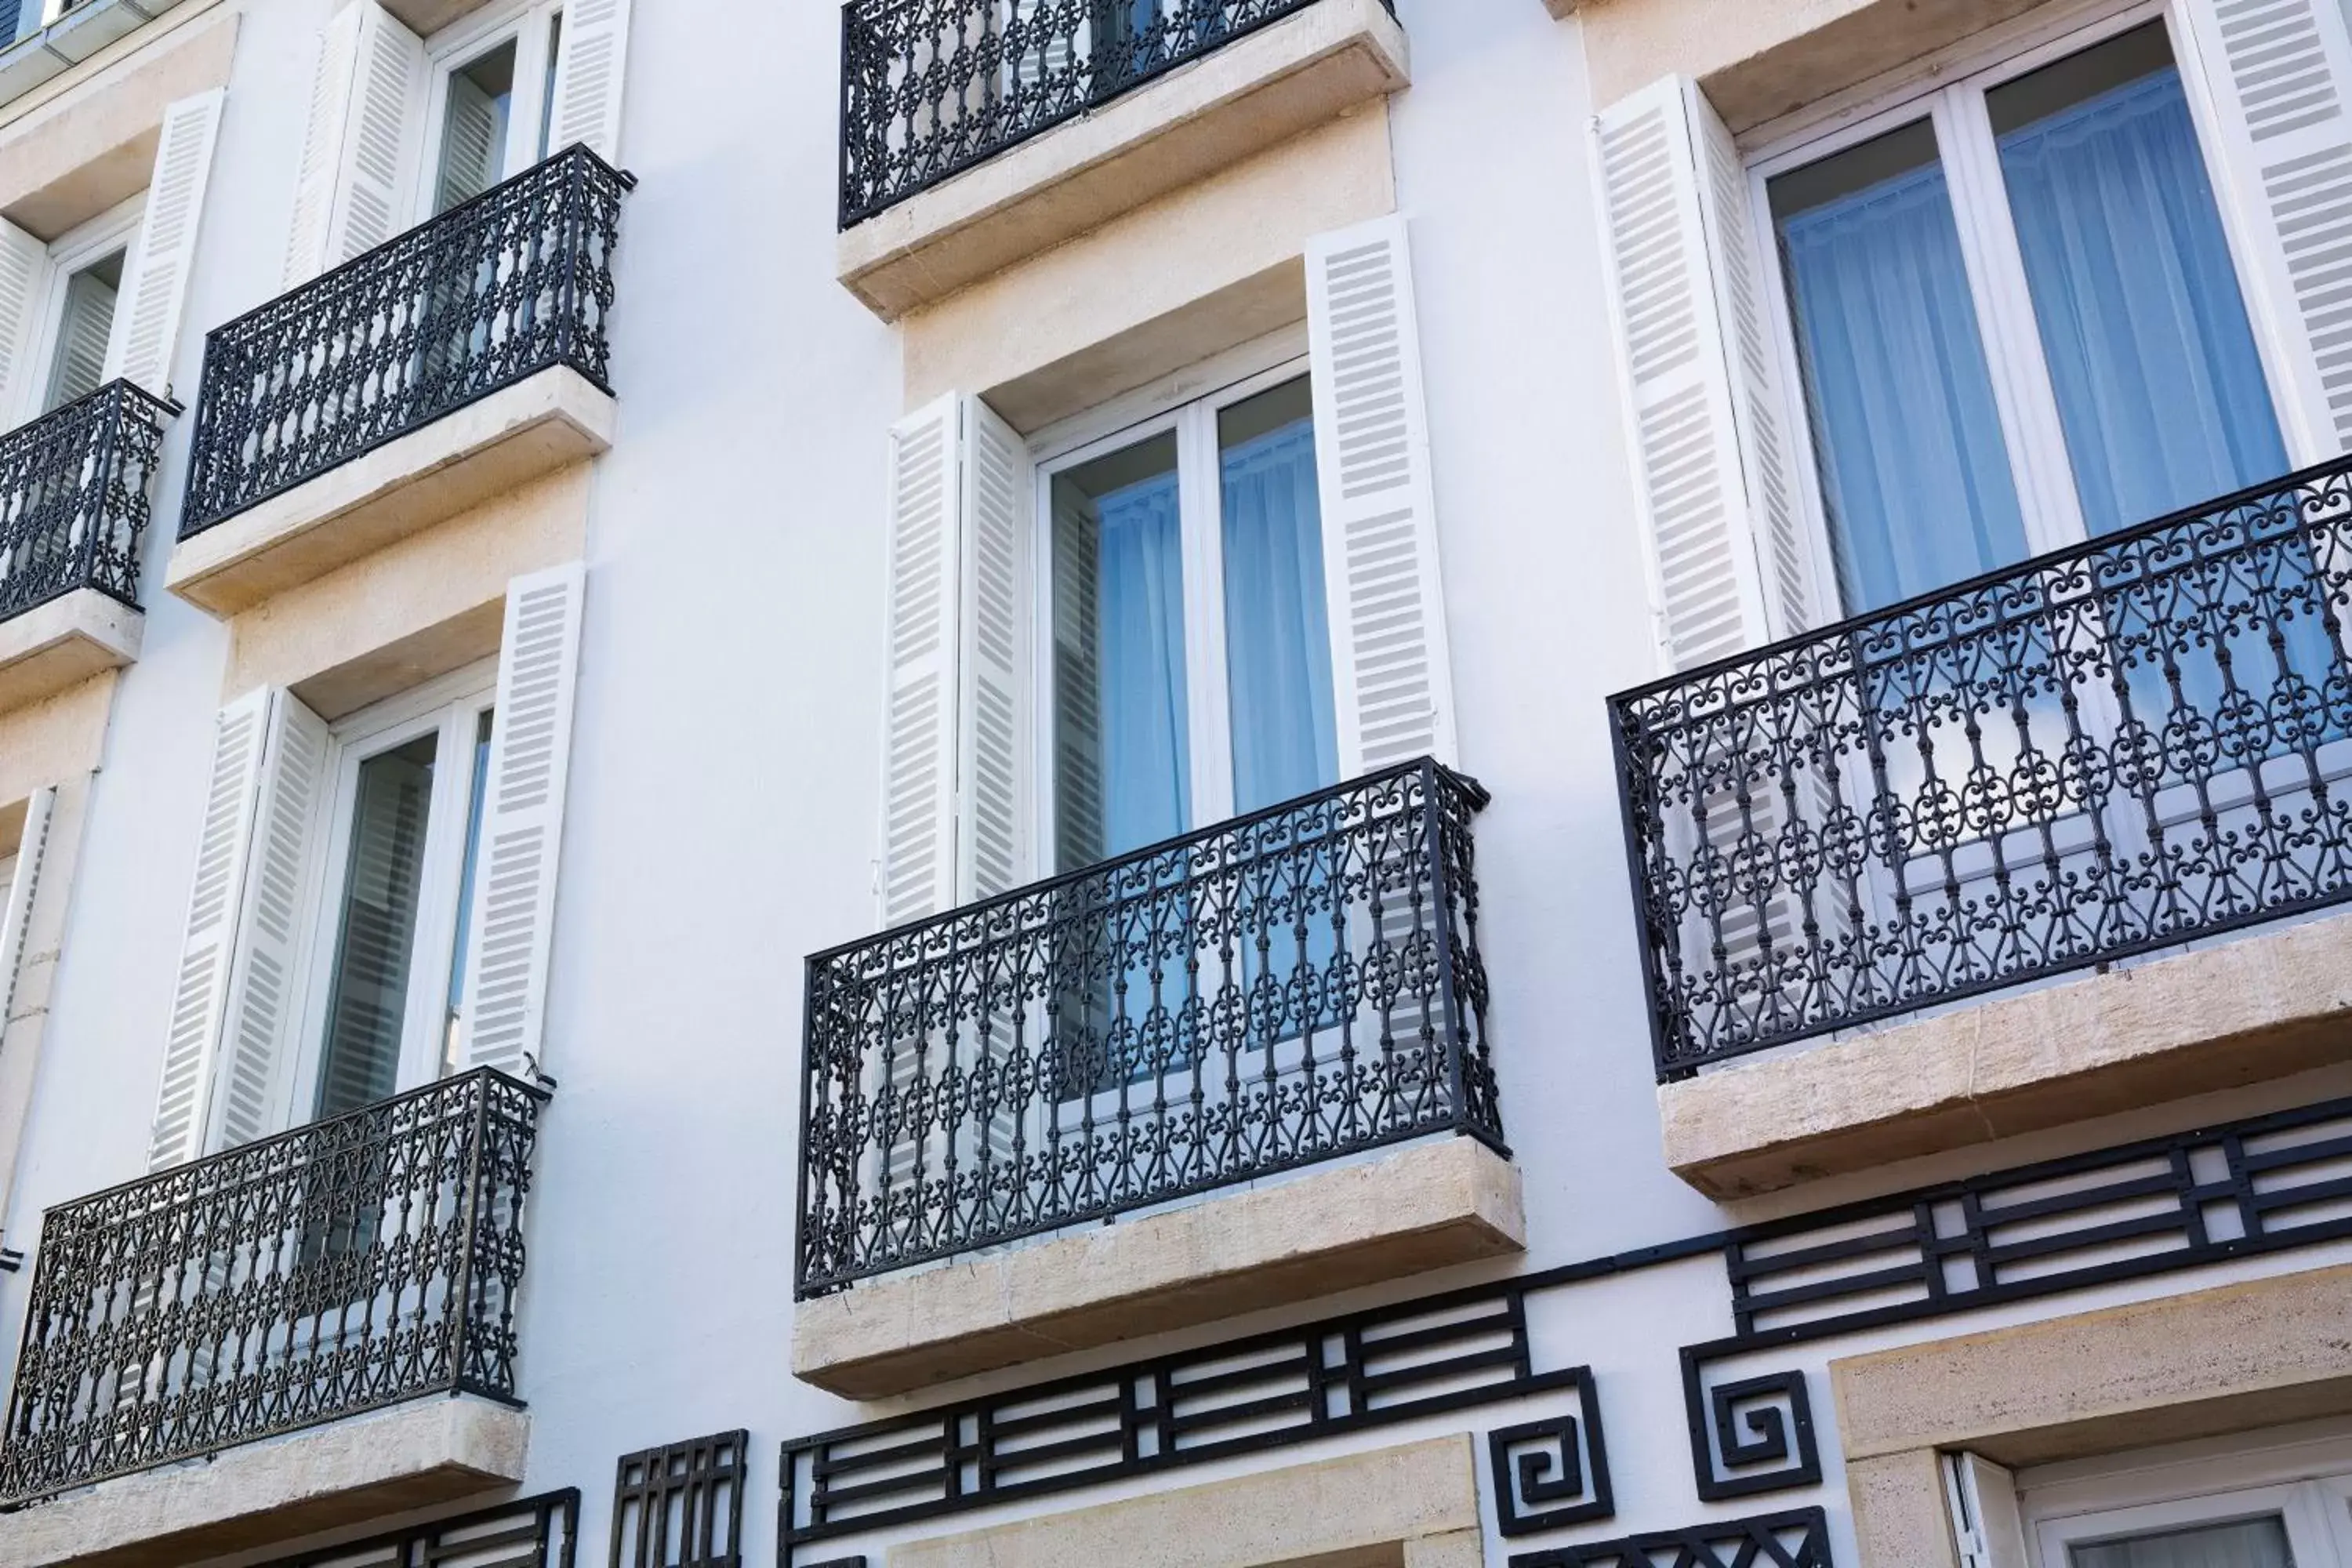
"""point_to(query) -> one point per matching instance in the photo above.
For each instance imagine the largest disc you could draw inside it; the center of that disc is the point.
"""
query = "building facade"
(1241, 784)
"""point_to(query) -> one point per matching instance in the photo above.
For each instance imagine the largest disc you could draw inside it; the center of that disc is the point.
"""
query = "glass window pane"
(1277, 635)
(453, 1049)
(2248, 1543)
(1122, 766)
(368, 1001)
(79, 366)
(1914, 473)
(474, 126)
(2159, 386)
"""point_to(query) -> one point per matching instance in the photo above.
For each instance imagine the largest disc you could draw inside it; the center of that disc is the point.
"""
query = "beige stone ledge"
(417, 1455)
(1251, 94)
(1410, 1504)
(85, 148)
(426, 17)
(1563, 9)
(1419, 1208)
(2254, 1008)
(55, 646)
(460, 460)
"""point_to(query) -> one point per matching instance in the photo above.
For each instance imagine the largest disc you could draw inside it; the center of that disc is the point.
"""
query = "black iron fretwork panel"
(1799, 1538)
(74, 496)
(1749, 1435)
(345, 1266)
(929, 88)
(536, 1533)
(2102, 752)
(515, 281)
(1341, 1375)
(681, 1506)
(1280, 989)
(1552, 1472)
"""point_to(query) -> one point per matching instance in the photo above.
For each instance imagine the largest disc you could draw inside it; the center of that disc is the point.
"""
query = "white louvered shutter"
(589, 64)
(993, 655)
(1710, 461)
(147, 315)
(2280, 76)
(20, 878)
(366, 100)
(1389, 672)
(513, 918)
(23, 284)
(1987, 1526)
(918, 751)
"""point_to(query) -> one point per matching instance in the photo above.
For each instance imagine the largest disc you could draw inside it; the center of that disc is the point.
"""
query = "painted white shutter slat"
(322, 163)
(23, 879)
(1390, 674)
(24, 283)
(1694, 367)
(591, 60)
(2279, 73)
(919, 757)
(260, 1015)
(157, 287)
(351, 193)
(993, 656)
(208, 939)
(529, 770)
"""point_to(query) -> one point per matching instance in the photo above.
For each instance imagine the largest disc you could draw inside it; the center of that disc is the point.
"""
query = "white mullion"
(1044, 740)
(1209, 718)
(526, 105)
(442, 867)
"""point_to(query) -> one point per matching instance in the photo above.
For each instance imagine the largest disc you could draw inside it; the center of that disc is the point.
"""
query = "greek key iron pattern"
(1750, 1434)
(1553, 1472)
(681, 1506)
(1799, 1539)
(536, 1533)
(74, 504)
(1280, 989)
(515, 281)
(931, 88)
(2102, 751)
(349, 1265)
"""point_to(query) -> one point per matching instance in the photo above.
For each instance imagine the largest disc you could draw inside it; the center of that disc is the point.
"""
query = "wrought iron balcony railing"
(513, 282)
(1288, 987)
(74, 496)
(346, 1266)
(931, 88)
(2112, 749)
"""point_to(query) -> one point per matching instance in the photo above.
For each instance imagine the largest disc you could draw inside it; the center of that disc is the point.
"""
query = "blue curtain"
(1913, 469)
(1147, 777)
(1277, 636)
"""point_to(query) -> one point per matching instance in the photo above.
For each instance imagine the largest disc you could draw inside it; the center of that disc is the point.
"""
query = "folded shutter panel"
(993, 657)
(24, 285)
(1987, 1527)
(1389, 672)
(20, 876)
(153, 295)
(918, 754)
(2279, 74)
(1709, 463)
(523, 821)
(591, 61)
(366, 100)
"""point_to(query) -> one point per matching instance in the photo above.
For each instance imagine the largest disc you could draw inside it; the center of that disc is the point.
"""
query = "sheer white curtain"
(1277, 637)
(1147, 773)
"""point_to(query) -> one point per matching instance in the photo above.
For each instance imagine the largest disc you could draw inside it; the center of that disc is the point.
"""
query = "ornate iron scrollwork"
(74, 501)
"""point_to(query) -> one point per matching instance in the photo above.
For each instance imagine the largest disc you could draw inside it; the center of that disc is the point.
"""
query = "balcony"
(410, 384)
(1279, 992)
(976, 132)
(342, 1268)
(2133, 746)
(73, 511)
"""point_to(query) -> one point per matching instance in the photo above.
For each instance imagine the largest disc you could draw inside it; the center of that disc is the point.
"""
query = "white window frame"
(1189, 409)
(528, 25)
(117, 229)
(1948, 91)
(2302, 1473)
(452, 707)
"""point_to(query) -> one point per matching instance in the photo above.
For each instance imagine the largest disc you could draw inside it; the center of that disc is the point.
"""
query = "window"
(2014, 318)
(404, 827)
(493, 90)
(1191, 654)
(2281, 1498)
(74, 336)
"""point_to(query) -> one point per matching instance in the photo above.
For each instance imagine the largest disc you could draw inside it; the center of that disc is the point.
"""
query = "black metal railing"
(2114, 748)
(346, 1266)
(513, 282)
(929, 88)
(74, 501)
(1291, 987)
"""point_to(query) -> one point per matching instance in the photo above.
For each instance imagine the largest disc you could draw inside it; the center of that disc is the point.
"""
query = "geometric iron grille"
(1799, 1538)
(1286, 988)
(536, 1533)
(515, 281)
(343, 1267)
(2104, 750)
(931, 88)
(73, 497)
(681, 1506)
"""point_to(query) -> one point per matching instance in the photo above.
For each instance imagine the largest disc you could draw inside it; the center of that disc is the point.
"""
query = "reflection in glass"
(368, 1002)
(453, 1049)
(2249, 1543)
(474, 126)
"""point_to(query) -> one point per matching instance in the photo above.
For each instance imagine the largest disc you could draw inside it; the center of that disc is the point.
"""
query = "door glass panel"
(1277, 636)
(79, 367)
(368, 999)
(1122, 769)
(453, 1047)
(1914, 473)
(474, 127)
(2248, 1543)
